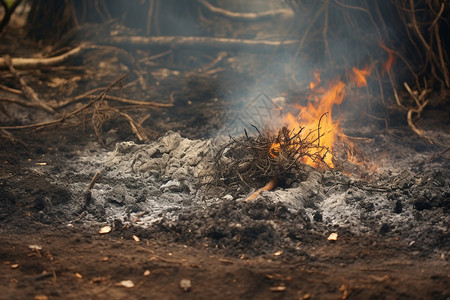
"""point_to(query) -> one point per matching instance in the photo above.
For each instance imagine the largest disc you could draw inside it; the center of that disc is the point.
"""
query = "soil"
(172, 237)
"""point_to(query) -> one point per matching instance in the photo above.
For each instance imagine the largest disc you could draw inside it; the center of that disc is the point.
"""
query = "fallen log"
(199, 42)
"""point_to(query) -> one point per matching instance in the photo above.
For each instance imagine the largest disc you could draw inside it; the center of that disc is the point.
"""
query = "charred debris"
(267, 160)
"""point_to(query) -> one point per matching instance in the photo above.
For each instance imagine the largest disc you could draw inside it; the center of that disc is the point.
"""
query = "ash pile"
(169, 188)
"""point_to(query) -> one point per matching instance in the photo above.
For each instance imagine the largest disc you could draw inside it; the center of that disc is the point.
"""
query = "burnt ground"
(172, 239)
(227, 249)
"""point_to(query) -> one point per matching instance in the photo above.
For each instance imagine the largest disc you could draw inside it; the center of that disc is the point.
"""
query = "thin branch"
(278, 13)
(29, 93)
(35, 63)
(69, 115)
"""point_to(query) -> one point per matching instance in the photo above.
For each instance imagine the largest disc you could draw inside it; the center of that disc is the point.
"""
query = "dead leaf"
(280, 288)
(306, 296)
(35, 247)
(185, 284)
(278, 253)
(104, 230)
(78, 275)
(14, 266)
(333, 236)
(127, 283)
(136, 238)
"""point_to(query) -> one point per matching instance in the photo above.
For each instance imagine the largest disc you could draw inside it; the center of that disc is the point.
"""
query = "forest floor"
(393, 234)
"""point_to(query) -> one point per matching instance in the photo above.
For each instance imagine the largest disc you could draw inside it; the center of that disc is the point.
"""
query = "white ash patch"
(173, 160)
(140, 183)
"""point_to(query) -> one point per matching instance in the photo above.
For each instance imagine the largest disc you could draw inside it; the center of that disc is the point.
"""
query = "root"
(420, 102)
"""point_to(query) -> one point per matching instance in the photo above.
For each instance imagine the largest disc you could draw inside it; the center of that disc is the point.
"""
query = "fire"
(388, 64)
(308, 118)
(359, 76)
(315, 123)
(274, 149)
(314, 84)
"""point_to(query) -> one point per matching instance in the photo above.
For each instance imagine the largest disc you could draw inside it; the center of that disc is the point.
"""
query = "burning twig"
(268, 159)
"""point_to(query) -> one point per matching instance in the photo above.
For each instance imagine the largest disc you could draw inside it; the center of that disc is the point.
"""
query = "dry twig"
(251, 162)
(26, 89)
(279, 13)
(69, 115)
(87, 193)
(34, 63)
(420, 102)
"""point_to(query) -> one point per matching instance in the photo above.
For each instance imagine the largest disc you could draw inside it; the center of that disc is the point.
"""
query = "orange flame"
(360, 76)
(388, 64)
(309, 116)
(314, 84)
(274, 149)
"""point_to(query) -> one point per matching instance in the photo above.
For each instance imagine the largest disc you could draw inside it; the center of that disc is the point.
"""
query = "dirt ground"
(228, 249)
(45, 258)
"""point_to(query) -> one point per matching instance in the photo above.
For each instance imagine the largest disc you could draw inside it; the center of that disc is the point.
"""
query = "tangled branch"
(251, 162)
